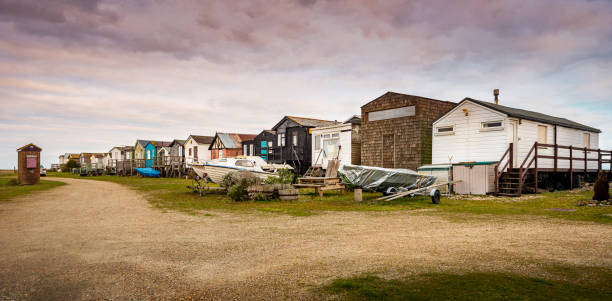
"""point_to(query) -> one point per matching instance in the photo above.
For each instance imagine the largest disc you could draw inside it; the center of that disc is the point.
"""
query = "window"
(492, 125)
(336, 135)
(317, 142)
(295, 139)
(281, 139)
(542, 134)
(148, 155)
(251, 149)
(244, 163)
(586, 140)
(190, 151)
(220, 153)
(270, 144)
(127, 156)
(445, 130)
(244, 150)
(331, 142)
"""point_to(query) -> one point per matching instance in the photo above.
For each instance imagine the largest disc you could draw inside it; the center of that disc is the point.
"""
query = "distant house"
(97, 160)
(396, 130)
(196, 148)
(177, 151)
(85, 159)
(119, 153)
(151, 151)
(62, 159)
(226, 145)
(294, 141)
(139, 149)
(262, 145)
(343, 137)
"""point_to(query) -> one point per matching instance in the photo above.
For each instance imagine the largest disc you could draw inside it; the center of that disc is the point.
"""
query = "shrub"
(285, 176)
(72, 164)
(260, 197)
(601, 188)
(237, 184)
(238, 193)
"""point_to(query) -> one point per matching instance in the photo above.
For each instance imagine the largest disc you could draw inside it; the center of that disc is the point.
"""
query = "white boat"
(217, 169)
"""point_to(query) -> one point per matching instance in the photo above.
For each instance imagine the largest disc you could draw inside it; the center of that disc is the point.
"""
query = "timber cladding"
(400, 134)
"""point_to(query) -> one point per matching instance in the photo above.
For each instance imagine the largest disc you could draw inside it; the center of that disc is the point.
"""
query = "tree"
(72, 164)
(601, 188)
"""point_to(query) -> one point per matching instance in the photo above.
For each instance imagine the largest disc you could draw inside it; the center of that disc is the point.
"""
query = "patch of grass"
(9, 188)
(172, 194)
(470, 286)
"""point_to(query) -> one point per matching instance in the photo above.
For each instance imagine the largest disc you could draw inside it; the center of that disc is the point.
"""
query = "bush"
(237, 184)
(72, 164)
(285, 176)
(238, 193)
(601, 188)
(260, 197)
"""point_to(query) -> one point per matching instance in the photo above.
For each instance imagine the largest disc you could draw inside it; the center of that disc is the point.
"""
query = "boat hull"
(216, 173)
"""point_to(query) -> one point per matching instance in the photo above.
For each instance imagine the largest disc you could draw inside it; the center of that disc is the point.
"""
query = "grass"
(473, 286)
(9, 189)
(172, 194)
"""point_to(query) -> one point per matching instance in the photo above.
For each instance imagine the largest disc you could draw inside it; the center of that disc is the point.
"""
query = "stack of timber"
(330, 181)
(284, 192)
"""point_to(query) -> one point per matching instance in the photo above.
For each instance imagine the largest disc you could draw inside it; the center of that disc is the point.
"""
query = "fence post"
(556, 156)
(511, 155)
(536, 166)
(571, 169)
(585, 160)
(598, 160)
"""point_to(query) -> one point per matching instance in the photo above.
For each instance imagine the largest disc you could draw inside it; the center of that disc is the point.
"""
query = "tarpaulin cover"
(380, 179)
(148, 172)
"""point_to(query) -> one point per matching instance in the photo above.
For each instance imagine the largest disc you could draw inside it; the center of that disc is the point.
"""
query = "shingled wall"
(408, 139)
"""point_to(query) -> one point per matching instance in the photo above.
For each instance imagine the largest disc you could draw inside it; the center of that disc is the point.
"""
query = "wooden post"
(585, 160)
(598, 160)
(556, 157)
(358, 194)
(536, 167)
(571, 169)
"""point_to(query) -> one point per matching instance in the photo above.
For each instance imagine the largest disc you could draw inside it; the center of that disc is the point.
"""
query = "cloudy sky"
(83, 76)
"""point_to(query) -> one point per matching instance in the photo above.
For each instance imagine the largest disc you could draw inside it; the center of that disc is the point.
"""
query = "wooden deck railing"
(531, 162)
(508, 155)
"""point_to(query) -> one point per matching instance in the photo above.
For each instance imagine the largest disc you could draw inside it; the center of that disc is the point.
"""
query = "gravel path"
(93, 240)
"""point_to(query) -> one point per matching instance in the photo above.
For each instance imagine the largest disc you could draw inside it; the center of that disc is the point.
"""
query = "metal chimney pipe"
(496, 93)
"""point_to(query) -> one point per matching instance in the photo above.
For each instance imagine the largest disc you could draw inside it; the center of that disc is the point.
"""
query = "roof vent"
(496, 94)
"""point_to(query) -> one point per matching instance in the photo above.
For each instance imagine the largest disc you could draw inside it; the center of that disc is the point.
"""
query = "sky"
(84, 76)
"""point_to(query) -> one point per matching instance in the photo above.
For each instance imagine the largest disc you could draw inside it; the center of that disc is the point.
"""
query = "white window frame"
(585, 135)
(328, 137)
(446, 133)
(545, 135)
(244, 150)
(485, 128)
(281, 139)
(294, 139)
(317, 143)
(252, 149)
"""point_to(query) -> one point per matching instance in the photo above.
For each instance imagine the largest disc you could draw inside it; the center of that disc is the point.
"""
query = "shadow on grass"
(472, 286)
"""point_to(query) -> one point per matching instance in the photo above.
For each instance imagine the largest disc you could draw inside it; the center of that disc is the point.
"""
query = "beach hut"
(226, 145)
(396, 130)
(262, 145)
(340, 141)
(28, 162)
(196, 148)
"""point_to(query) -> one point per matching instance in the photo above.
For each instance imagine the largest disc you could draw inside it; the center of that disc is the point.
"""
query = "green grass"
(9, 188)
(471, 286)
(172, 194)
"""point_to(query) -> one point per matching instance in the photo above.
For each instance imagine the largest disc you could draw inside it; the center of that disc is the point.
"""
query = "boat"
(148, 172)
(384, 179)
(216, 169)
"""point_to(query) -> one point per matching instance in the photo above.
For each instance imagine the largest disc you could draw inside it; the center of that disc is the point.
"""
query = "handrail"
(499, 172)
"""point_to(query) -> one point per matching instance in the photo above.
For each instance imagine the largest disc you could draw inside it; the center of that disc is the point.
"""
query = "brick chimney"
(496, 93)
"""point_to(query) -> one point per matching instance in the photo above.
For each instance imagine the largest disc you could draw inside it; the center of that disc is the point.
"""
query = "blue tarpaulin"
(148, 172)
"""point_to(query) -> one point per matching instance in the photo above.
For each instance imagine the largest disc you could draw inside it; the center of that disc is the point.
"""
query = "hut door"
(514, 140)
(195, 153)
(388, 151)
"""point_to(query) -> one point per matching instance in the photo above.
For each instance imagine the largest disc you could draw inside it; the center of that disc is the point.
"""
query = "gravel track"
(93, 240)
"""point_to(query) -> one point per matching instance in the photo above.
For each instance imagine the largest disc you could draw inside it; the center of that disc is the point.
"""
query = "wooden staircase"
(509, 183)
(509, 180)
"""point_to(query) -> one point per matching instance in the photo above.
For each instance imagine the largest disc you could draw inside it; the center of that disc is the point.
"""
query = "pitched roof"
(534, 116)
(355, 119)
(232, 140)
(160, 143)
(307, 122)
(177, 141)
(202, 139)
(389, 93)
(30, 146)
(127, 148)
(143, 143)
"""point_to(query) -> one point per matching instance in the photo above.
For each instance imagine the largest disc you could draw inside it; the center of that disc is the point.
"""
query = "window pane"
(445, 129)
(336, 135)
(317, 142)
(586, 140)
(326, 136)
(492, 124)
(295, 139)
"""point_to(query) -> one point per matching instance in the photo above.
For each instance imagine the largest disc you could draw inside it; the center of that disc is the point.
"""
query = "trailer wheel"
(435, 198)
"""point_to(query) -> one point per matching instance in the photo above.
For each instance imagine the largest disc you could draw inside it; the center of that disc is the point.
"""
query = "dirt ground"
(93, 240)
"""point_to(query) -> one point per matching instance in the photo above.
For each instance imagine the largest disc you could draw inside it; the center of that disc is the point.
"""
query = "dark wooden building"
(294, 141)
(396, 130)
(225, 145)
(28, 161)
(262, 145)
